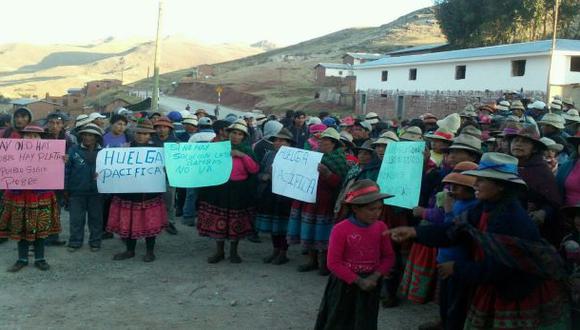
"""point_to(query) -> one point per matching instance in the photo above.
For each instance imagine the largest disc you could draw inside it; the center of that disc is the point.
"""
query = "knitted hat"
(317, 128)
(364, 192)
(451, 123)
(82, 120)
(91, 129)
(33, 129)
(498, 166)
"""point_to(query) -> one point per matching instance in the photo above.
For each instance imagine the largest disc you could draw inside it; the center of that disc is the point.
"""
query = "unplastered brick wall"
(439, 103)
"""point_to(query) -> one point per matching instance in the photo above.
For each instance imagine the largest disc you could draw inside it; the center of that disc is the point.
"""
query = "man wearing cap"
(271, 128)
(97, 119)
(536, 110)
(298, 129)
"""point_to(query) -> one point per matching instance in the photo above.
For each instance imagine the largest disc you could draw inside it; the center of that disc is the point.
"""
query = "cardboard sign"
(193, 165)
(295, 173)
(32, 164)
(401, 173)
(130, 170)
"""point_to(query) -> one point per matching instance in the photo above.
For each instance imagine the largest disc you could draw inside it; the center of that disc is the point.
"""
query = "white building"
(485, 70)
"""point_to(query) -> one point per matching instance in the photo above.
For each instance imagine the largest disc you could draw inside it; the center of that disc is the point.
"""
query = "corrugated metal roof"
(535, 47)
(335, 66)
(365, 56)
(418, 48)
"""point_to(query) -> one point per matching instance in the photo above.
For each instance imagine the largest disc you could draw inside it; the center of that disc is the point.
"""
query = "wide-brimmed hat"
(91, 129)
(163, 121)
(32, 129)
(429, 118)
(190, 121)
(96, 115)
(82, 120)
(144, 126)
(503, 106)
(537, 105)
(517, 105)
(531, 133)
(572, 115)
(413, 133)
(313, 121)
(364, 124)
(330, 133)
(372, 118)
(456, 176)
(285, 134)
(498, 166)
(556, 104)
(261, 118)
(466, 142)
(317, 128)
(364, 192)
(367, 145)
(441, 134)
(200, 111)
(239, 125)
(386, 138)
(487, 107)
(472, 130)
(554, 120)
(551, 144)
(346, 139)
(568, 101)
(574, 139)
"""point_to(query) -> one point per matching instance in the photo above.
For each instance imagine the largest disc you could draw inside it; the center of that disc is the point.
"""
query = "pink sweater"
(243, 167)
(354, 250)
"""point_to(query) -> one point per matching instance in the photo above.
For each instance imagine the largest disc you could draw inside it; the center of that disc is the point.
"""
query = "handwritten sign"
(130, 170)
(401, 173)
(295, 173)
(193, 165)
(32, 164)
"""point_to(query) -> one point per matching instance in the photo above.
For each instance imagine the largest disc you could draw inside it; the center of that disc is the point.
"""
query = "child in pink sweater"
(358, 256)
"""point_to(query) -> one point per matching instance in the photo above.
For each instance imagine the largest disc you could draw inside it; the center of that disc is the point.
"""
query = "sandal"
(18, 266)
(124, 255)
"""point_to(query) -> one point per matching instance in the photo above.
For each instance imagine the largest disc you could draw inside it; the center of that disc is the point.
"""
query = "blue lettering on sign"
(132, 157)
(111, 174)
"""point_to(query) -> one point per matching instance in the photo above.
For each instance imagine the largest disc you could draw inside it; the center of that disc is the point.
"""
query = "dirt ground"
(179, 290)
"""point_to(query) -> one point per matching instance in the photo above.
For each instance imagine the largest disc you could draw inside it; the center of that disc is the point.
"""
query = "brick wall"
(440, 103)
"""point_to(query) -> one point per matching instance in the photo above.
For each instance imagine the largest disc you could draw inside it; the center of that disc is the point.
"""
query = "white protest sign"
(130, 170)
(295, 173)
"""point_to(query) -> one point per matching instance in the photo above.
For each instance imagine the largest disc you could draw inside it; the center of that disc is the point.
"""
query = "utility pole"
(553, 48)
(155, 98)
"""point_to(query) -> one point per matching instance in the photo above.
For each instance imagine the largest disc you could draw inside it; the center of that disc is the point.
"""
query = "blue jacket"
(456, 253)
(563, 171)
(80, 171)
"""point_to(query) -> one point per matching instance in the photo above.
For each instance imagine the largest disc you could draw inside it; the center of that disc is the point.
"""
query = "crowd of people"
(494, 238)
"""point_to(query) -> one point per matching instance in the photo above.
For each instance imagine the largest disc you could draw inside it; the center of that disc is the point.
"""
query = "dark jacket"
(80, 171)
(507, 218)
(300, 135)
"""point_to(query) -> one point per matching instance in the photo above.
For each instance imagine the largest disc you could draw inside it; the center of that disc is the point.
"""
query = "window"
(384, 75)
(412, 74)
(518, 68)
(460, 72)
(575, 63)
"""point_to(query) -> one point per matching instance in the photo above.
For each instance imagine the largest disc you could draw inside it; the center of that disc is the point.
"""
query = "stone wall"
(413, 104)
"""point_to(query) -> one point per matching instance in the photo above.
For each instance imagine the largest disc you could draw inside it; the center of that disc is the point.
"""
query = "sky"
(211, 21)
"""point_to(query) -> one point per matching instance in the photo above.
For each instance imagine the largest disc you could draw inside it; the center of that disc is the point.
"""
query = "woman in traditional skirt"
(138, 215)
(226, 211)
(516, 275)
(310, 224)
(358, 256)
(273, 210)
(29, 216)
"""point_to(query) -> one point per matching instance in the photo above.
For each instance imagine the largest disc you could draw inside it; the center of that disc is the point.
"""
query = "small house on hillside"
(40, 108)
(324, 70)
(93, 88)
(442, 82)
(360, 58)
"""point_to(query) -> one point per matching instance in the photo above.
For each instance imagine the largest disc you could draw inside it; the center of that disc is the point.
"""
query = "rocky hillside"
(27, 69)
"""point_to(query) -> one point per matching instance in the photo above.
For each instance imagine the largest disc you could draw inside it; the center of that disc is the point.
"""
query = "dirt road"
(178, 291)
